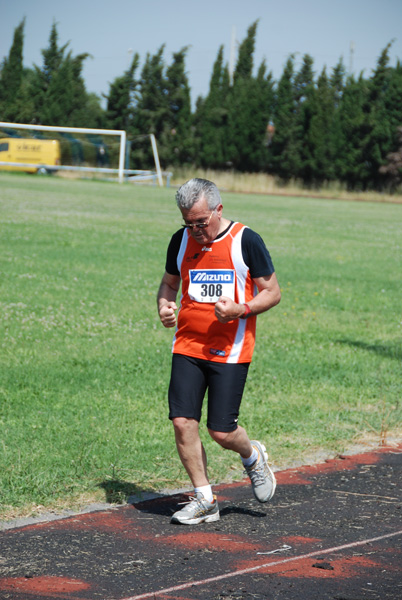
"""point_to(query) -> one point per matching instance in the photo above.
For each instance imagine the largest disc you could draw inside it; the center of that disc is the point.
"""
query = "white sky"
(110, 30)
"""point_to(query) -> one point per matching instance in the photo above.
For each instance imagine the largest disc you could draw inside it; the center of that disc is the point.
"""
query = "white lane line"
(283, 561)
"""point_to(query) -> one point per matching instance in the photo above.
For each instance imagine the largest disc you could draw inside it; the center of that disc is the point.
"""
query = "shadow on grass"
(118, 491)
(390, 350)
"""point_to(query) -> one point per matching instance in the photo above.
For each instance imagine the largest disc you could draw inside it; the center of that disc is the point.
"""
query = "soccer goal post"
(121, 171)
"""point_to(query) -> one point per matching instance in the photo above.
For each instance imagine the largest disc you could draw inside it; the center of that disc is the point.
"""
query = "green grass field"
(84, 363)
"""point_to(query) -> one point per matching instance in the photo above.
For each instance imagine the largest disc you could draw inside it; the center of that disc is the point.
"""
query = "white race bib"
(208, 285)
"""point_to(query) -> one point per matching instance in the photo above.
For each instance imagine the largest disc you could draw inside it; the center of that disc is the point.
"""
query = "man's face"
(199, 214)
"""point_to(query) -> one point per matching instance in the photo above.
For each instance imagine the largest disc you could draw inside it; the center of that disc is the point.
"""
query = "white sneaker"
(197, 511)
(262, 478)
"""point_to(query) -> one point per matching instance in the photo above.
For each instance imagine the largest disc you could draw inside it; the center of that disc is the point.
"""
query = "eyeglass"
(198, 225)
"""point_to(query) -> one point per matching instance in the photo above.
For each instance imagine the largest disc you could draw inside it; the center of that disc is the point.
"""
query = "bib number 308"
(211, 290)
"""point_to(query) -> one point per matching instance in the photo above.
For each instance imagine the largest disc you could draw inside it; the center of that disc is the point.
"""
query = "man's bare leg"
(236, 440)
(191, 450)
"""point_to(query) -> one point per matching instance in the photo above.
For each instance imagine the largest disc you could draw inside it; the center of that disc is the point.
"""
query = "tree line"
(306, 127)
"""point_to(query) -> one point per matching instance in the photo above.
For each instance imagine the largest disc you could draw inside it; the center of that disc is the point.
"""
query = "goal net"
(62, 150)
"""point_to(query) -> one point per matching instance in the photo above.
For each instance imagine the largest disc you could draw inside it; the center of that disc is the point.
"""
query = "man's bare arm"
(166, 299)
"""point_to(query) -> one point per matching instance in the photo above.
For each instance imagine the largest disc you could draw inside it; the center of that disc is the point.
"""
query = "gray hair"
(194, 189)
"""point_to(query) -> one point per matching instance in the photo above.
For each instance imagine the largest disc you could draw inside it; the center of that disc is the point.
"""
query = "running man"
(227, 279)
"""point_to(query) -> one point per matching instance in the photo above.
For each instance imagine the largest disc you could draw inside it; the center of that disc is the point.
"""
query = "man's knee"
(183, 425)
(223, 438)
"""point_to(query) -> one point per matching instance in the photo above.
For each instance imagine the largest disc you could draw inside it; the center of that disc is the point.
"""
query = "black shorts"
(191, 377)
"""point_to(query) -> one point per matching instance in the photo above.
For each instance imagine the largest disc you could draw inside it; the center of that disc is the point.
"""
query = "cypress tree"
(380, 129)
(319, 136)
(177, 139)
(337, 87)
(80, 112)
(249, 107)
(250, 112)
(304, 80)
(96, 117)
(306, 107)
(244, 65)
(350, 129)
(337, 82)
(52, 59)
(11, 76)
(211, 118)
(393, 105)
(23, 107)
(53, 56)
(284, 157)
(57, 87)
(121, 98)
(151, 110)
(66, 98)
(58, 98)
(265, 111)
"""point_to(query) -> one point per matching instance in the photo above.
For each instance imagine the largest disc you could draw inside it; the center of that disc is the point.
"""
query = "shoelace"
(256, 474)
(192, 500)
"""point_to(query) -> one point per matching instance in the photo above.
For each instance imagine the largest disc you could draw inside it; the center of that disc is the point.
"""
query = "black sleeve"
(172, 252)
(255, 254)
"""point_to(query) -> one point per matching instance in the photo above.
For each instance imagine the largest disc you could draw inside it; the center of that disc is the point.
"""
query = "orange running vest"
(208, 272)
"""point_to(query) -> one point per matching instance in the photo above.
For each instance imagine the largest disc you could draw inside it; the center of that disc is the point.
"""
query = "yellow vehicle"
(40, 153)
